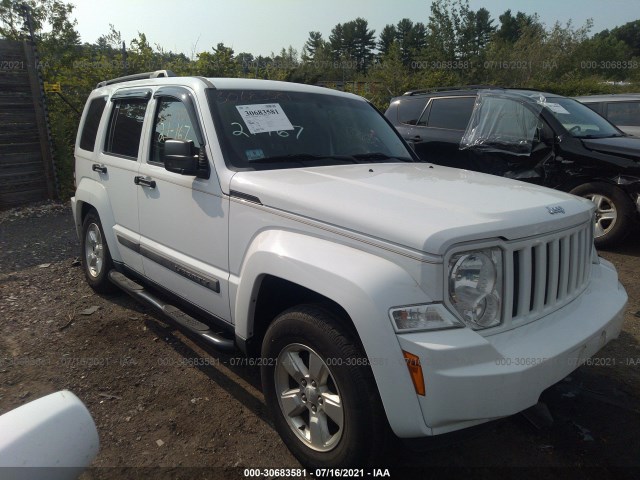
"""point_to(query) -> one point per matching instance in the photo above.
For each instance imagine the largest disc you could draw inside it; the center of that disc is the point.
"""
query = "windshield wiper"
(375, 156)
(301, 157)
(613, 135)
(356, 158)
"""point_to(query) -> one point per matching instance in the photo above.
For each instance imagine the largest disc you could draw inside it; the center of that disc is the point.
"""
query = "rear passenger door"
(440, 128)
(118, 166)
(183, 218)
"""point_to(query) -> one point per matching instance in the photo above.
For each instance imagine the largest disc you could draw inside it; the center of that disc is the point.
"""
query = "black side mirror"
(181, 156)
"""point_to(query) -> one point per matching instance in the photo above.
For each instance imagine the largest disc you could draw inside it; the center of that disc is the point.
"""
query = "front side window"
(624, 113)
(171, 122)
(263, 129)
(125, 127)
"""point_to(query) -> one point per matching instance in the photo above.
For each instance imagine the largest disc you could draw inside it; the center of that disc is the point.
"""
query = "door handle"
(417, 138)
(145, 182)
(96, 167)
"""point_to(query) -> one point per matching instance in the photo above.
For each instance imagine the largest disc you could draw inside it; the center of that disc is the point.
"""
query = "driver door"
(183, 219)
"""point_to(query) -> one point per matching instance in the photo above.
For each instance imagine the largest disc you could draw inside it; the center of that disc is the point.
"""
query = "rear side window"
(125, 127)
(596, 107)
(624, 113)
(409, 111)
(451, 113)
(92, 120)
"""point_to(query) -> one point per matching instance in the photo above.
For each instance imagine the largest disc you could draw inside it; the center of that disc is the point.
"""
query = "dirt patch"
(143, 381)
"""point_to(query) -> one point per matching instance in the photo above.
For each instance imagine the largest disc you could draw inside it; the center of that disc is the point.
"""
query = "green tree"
(141, 55)
(404, 29)
(283, 66)
(321, 66)
(353, 42)
(443, 28)
(12, 24)
(476, 31)
(220, 63)
(364, 43)
(392, 76)
(246, 64)
(387, 37)
(338, 44)
(411, 38)
(512, 27)
(629, 33)
(417, 39)
(602, 55)
(314, 43)
(538, 56)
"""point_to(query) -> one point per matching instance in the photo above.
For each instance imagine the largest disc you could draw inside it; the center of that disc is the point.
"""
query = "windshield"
(275, 129)
(579, 120)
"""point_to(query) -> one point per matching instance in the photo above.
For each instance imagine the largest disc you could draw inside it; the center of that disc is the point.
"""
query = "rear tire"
(95, 257)
(614, 212)
(324, 402)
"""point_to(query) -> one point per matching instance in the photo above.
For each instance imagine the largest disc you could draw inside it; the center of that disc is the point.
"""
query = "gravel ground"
(166, 406)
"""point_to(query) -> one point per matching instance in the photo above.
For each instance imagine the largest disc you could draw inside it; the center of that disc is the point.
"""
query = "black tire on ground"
(94, 254)
(615, 212)
(294, 342)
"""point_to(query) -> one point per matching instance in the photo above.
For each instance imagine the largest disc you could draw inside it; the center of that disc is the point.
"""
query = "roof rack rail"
(137, 76)
(530, 89)
(445, 89)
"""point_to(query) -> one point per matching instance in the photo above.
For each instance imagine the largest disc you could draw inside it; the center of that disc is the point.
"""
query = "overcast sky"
(265, 26)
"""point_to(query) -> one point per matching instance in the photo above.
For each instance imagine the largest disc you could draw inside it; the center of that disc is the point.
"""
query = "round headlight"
(473, 287)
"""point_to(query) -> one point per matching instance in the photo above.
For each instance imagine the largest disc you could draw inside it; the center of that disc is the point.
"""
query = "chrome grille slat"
(564, 268)
(545, 274)
(540, 269)
(508, 292)
(524, 281)
(581, 250)
(554, 271)
(573, 266)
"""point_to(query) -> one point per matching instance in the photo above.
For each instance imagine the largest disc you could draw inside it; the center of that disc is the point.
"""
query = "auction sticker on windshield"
(557, 108)
(266, 117)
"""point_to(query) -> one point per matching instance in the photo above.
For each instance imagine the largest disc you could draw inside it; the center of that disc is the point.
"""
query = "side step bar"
(176, 315)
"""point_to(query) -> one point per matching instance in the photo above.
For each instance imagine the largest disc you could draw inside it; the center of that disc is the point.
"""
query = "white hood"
(420, 206)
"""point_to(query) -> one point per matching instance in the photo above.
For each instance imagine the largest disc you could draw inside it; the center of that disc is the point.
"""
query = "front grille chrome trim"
(545, 273)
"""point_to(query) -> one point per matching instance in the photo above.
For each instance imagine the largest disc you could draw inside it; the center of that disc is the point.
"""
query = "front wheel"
(323, 401)
(614, 212)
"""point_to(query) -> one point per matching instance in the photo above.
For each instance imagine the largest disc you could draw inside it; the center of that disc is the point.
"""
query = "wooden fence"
(27, 170)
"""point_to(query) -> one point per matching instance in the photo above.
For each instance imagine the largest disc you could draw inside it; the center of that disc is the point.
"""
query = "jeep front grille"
(546, 273)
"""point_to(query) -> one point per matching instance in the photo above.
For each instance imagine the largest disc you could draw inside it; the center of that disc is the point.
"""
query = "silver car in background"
(623, 110)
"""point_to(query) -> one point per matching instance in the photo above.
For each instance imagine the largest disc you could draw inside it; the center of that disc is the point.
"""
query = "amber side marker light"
(415, 370)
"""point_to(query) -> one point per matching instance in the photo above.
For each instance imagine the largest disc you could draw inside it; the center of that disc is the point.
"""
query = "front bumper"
(471, 378)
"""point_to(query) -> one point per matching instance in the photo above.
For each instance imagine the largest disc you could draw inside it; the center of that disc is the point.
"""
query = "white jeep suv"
(377, 293)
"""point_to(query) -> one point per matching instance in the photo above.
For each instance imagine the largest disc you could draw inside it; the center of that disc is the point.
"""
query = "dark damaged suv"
(532, 136)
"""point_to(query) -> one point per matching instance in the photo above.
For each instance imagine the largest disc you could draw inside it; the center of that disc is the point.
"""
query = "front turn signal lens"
(415, 371)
